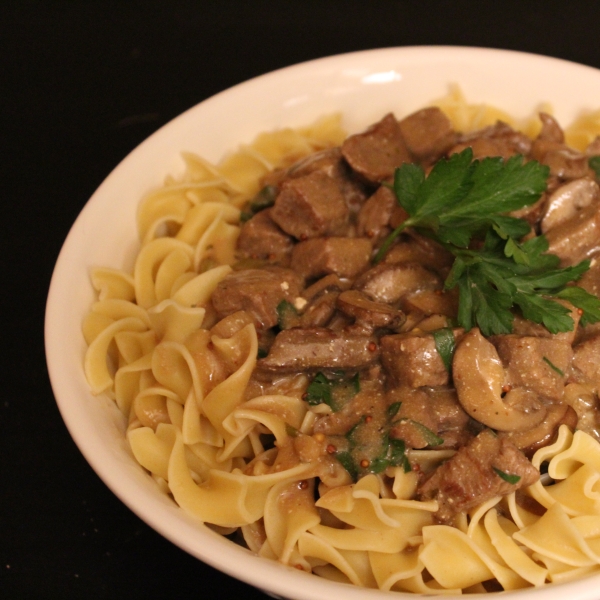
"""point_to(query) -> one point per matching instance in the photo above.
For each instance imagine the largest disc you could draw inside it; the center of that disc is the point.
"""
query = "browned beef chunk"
(413, 361)
(428, 134)
(422, 250)
(376, 213)
(391, 282)
(577, 238)
(343, 256)
(367, 312)
(327, 161)
(258, 292)
(539, 364)
(331, 163)
(469, 477)
(586, 360)
(310, 206)
(319, 349)
(261, 238)
(453, 423)
(523, 327)
(377, 152)
(497, 140)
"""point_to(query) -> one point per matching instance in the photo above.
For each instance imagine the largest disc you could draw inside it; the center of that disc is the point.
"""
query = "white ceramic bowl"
(362, 86)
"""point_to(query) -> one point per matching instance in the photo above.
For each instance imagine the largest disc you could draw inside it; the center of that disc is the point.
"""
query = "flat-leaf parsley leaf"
(463, 204)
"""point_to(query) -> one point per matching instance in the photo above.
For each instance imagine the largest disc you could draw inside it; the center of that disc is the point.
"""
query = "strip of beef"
(342, 256)
(473, 475)
(428, 134)
(318, 349)
(412, 360)
(258, 292)
(389, 283)
(539, 364)
(377, 152)
(260, 237)
(310, 206)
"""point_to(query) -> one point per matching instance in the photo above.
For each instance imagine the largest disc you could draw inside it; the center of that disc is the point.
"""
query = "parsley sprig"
(462, 204)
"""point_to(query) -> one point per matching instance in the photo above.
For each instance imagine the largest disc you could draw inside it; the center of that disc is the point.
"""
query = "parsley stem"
(389, 240)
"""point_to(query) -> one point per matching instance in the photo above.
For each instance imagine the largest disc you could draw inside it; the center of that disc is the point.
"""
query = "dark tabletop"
(81, 84)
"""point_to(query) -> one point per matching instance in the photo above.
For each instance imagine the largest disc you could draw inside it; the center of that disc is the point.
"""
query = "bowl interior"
(362, 86)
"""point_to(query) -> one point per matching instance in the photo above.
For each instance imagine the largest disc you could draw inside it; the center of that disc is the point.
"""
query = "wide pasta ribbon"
(158, 266)
(113, 284)
(354, 565)
(99, 378)
(173, 322)
(501, 532)
(554, 535)
(390, 569)
(225, 499)
(289, 512)
(456, 561)
(228, 395)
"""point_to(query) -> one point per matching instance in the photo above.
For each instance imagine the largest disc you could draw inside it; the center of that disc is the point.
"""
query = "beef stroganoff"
(303, 370)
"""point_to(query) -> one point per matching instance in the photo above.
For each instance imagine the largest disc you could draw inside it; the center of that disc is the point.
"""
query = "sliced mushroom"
(545, 433)
(551, 130)
(391, 282)
(478, 379)
(577, 238)
(565, 202)
(366, 311)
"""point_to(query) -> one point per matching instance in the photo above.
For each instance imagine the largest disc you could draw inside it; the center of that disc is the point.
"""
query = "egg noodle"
(181, 379)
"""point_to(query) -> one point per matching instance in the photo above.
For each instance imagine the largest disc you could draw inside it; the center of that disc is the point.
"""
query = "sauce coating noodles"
(218, 441)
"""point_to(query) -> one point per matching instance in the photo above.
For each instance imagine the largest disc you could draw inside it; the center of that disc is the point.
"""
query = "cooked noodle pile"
(216, 440)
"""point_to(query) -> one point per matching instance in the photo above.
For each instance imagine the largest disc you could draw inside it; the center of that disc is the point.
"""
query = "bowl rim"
(223, 554)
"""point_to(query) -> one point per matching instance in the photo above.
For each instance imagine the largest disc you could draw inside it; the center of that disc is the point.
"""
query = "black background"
(81, 84)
